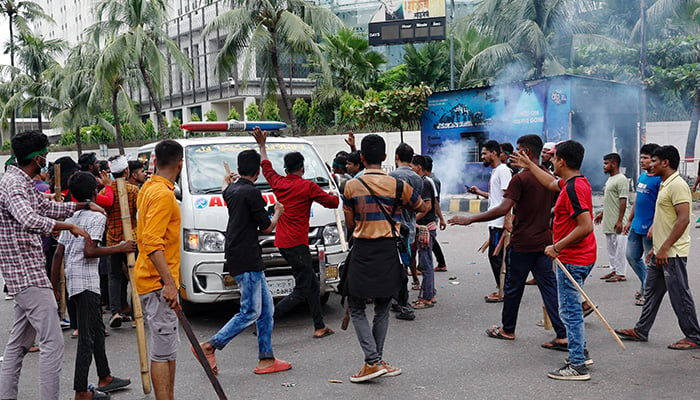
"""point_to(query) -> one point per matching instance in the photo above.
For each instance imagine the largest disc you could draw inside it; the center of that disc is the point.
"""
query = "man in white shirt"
(498, 183)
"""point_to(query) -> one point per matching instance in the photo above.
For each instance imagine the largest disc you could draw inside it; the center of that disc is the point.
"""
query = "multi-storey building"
(209, 88)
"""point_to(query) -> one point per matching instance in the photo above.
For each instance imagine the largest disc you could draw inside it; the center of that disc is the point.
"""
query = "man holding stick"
(532, 203)
(25, 215)
(574, 244)
(157, 270)
(292, 236)
(668, 258)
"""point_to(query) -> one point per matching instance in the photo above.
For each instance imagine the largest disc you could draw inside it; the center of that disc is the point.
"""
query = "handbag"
(402, 248)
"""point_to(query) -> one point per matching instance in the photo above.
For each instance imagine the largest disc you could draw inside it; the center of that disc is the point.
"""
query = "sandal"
(608, 276)
(496, 333)
(616, 278)
(630, 334)
(683, 344)
(415, 286)
(277, 366)
(554, 345)
(211, 359)
(421, 304)
(640, 301)
(327, 332)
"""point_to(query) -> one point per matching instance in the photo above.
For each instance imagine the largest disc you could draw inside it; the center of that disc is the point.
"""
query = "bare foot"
(207, 348)
(265, 363)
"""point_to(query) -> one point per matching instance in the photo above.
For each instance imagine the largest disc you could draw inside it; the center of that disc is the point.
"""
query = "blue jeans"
(256, 306)
(570, 310)
(425, 261)
(637, 247)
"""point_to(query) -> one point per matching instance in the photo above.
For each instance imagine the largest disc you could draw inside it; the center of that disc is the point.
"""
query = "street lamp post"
(230, 83)
(452, 45)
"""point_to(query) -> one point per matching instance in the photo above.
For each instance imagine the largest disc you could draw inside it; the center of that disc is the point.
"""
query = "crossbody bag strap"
(388, 217)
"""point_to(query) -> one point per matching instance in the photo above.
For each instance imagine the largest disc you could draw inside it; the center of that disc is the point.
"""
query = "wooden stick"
(502, 282)
(135, 300)
(58, 197)
(484, 246)
(546, 319)
(199, 353)
(227, 168)
(341, 231)
(590, 302)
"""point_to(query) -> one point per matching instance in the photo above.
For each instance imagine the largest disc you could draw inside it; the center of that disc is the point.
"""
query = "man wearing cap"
(292, 235)
(547, 152)
(118, 279)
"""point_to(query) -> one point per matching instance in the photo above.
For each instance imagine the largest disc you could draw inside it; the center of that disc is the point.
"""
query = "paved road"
(444, 353)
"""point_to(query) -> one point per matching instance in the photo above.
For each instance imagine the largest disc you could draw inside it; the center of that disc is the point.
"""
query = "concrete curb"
(464, 205)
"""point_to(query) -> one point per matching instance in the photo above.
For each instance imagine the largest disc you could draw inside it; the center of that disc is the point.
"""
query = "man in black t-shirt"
(425, 236)
(246, 213)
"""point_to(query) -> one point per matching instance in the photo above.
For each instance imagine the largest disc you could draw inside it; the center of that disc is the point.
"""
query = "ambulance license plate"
(280, 287)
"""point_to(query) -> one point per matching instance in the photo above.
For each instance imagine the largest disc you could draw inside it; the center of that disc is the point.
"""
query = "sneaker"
(588, 362)
(571, 373)
(65, 324)
(441, 268)
(406, 315)
(9, 297)
(368, 372)
(115, 321)
(395, 307)
(390, 370)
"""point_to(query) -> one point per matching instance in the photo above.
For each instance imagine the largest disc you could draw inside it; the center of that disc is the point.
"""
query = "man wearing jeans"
(292, 237)
(425, 236)
(26, 216)
(573, 243)
(668, 259)
(374, 270)
(638, 227)
(246, 213)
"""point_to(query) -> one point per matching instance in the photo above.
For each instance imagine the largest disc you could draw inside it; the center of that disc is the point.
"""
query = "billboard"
(407, 21)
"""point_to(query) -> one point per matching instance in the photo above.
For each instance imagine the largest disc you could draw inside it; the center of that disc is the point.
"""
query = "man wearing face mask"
(25, 215)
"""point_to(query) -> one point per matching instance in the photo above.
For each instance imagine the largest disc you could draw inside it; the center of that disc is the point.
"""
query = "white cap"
(549, 145)
(118, 165)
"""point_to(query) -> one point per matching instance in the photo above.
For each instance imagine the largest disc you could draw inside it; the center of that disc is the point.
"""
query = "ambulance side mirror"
(178, 191)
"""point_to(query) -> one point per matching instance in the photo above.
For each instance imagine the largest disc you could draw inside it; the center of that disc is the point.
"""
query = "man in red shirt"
(574, 244)
(292, 234)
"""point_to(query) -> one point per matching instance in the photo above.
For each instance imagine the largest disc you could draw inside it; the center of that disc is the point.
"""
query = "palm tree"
(74, 87)
(351, 68)
(139, 25)
(266, 29)
(428, 64)
(113, 71)
(32, 82)
(531, 37)
(19, 14)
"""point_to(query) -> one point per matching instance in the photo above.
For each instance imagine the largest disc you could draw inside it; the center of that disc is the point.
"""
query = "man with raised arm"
(573, 244)
(292, 235)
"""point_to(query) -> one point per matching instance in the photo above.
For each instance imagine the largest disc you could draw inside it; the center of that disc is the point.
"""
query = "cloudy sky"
(4, 36)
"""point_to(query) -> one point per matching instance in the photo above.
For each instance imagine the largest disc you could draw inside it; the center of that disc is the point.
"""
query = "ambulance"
(204, 214)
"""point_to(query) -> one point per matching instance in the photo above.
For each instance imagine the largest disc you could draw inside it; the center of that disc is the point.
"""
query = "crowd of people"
(540, 209)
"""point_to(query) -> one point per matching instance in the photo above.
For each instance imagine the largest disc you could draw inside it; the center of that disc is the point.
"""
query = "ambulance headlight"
(330, 235)
(204, 241)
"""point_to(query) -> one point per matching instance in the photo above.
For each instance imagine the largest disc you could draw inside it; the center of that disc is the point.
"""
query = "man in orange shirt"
(157, 270)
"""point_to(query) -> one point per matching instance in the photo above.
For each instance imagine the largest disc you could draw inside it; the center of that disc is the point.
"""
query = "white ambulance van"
(204, 218)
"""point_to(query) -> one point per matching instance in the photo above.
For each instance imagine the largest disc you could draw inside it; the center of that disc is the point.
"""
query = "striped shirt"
(82, 273)
(25, 216)
(370, 222)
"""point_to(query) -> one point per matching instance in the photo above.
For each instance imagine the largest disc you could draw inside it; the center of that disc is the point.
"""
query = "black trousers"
(91, 339)
(495, 261)
(117, 283)
(439, 256)
(306, 289)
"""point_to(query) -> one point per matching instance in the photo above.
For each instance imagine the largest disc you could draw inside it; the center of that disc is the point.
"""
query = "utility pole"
(642, 73)
(452, 44)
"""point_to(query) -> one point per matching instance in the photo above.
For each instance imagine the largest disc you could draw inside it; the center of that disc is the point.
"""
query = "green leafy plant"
(270, 110)
(301, 110)
(211, 116)
(174, 130)
(252, 112)
(195, 118)
(233, 114)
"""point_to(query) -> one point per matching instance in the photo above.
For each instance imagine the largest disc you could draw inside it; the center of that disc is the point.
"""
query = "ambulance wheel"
(190, 309)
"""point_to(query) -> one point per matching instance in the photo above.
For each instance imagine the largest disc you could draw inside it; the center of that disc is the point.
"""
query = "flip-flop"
(116, 384)
(211, 359)
(495, 332)
(277, 366)
(553, 345)
(421, 304)
(629, 334)
(683, 344)
(325, 333)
